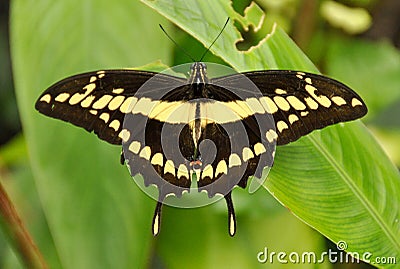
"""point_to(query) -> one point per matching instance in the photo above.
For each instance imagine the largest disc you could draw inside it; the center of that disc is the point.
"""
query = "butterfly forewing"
(302, 102)
(98, 101)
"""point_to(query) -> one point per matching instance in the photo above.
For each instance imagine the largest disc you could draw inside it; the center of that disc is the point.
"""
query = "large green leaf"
(96, 215)
(337, 180)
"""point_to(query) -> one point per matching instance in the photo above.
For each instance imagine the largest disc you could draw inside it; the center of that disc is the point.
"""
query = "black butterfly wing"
(98, 101)
(302, 102)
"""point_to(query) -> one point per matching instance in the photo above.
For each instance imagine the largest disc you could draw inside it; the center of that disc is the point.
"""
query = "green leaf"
(371, 68)
(97, 216)
(337, 180)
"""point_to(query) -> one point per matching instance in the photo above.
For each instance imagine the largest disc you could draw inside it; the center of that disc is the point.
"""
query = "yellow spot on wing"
(268, 104)
(62, 97)
(292, 118)
(338, 100)
(77, 97)
(118, 91)
(115, 124)
(182, 171)
(271, 135)
(135, 147)
(255, 106)
(311, 103)
(280, 91)
(116, 102)
(145, 153)
(282, 103)
(169, 167)
(281, 125)
(355, 102)
(88, 101)
(207, 172)
(222, 112)
(144, 106)
(234, 160)
(259, 149)
(232, 227)
(101, 74)
(247, 154)
(295, 103)
(102, 102)
(128, 104)
(105, 117)
(156, 229)
(124, 135)
(322, 99)
(221, 168)
(46, 98)
(158, 159)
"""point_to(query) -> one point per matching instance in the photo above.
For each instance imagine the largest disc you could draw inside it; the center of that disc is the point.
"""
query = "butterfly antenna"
(176, 44)
(223, 28)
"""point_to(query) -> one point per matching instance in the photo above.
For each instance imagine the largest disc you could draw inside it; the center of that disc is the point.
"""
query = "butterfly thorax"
(198, 79)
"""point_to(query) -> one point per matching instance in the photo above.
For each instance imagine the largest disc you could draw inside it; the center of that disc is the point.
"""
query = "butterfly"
(217, 131)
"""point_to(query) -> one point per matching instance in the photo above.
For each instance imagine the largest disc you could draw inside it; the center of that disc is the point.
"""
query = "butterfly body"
(221, 129)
